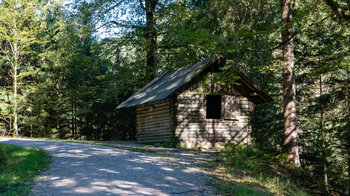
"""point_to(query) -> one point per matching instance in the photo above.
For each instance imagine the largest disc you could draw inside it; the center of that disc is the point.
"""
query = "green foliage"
(18, 168)
(21, 27)
(84, 58)
(246, 170)
(77, 89)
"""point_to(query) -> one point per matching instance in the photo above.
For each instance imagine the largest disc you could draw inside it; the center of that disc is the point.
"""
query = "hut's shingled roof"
(168, 82)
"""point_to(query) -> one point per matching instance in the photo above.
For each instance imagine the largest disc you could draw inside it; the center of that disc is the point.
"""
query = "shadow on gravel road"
(82, 169)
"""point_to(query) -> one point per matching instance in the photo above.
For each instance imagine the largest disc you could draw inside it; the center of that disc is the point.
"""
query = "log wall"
(182, 117)
(153, 122)
(193, 129)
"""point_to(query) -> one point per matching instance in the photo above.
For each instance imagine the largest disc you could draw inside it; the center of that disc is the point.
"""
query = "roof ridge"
(166, 84)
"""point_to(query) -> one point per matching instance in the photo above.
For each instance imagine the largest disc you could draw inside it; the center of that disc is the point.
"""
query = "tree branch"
(339, 11)
(125, 25)
(292, 36)
(142, 6)
(109, 9)
(130, 26)
(7, 56)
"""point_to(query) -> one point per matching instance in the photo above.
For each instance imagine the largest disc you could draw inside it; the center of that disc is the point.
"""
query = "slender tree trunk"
(15, 122)
(8, 133)
(324, 157)
(289, 91)
(73, 128)
(348, 126)
(57, 109)
(151, 39)
(348, 149)
(75, 121)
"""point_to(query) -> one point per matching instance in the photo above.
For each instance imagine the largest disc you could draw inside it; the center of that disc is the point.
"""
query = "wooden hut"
(191, 106)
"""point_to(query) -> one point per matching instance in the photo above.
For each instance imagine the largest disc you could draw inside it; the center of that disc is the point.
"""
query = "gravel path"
(183, 157)
(82, 169)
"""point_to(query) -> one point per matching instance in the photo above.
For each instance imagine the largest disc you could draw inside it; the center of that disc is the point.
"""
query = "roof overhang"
(169, 82)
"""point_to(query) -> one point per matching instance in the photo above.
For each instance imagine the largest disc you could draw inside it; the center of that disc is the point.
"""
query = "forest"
(66, 65)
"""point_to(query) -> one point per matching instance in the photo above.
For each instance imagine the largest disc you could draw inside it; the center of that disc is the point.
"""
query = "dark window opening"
(213, 106)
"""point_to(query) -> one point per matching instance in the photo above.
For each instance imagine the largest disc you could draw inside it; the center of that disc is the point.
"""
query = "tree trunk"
(151, 39)
(289, 91)
(75, 120)
(347, 126)
(10, 119)
(348, 149)
(73, 127)
(57, 109)
(324, 157)
(15, 122)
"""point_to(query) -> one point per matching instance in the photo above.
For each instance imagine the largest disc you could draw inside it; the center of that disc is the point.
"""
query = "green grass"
(244, 170)
(18, 168)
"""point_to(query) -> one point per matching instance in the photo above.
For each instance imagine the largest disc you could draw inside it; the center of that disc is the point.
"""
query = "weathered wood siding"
(192, 127)
(153, 122)
(195, 130)
(182, 117)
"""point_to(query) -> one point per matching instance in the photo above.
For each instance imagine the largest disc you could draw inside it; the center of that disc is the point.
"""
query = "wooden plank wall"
(182, 117)
(195, 130)
(153, 122)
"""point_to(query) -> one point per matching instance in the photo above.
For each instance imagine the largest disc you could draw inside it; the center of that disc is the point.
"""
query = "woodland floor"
(83, 169)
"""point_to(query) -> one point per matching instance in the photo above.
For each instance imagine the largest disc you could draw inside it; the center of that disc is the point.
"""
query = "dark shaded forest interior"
(66, 65)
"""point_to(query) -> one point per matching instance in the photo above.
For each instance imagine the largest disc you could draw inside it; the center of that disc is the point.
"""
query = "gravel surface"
(82, 169)
(183, 157)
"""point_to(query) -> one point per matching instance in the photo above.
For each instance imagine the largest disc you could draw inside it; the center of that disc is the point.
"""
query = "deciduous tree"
(21, 22)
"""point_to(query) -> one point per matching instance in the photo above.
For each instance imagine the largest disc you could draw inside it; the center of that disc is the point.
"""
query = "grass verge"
(244, 170)
(18, 168)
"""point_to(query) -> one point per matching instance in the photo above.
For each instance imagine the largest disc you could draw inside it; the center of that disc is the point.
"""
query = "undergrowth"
(18, 168)
(246, 170)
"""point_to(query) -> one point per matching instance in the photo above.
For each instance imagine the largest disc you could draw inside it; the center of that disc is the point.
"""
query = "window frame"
(221, 108)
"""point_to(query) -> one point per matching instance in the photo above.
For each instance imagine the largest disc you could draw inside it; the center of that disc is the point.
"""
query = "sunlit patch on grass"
(245, 170)
(18, 168)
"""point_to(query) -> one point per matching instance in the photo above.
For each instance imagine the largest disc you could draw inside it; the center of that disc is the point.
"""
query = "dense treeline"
(66, 66)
